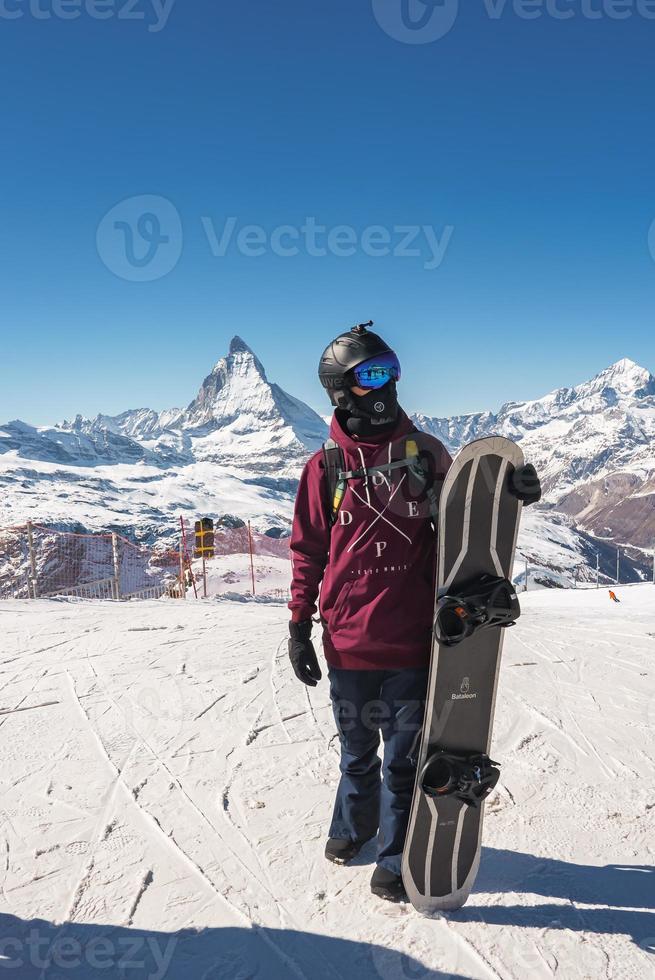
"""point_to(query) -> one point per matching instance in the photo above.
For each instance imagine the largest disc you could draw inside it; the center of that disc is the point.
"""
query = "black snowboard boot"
(385, 884)
(341, 851)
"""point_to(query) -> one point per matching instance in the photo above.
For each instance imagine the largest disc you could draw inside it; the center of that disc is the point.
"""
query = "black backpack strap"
(334, 461)
(337, 476)
(419, 467)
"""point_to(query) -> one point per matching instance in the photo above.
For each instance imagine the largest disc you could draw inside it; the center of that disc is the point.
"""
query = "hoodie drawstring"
(363, 461)
(381, 472)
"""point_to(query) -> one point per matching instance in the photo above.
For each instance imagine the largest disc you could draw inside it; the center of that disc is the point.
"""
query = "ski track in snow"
(170, 774)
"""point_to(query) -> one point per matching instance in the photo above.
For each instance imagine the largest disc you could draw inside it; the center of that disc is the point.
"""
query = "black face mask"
(373, 412)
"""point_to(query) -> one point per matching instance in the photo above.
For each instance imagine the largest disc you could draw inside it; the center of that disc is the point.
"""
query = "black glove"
(302, 654)
(524, 484)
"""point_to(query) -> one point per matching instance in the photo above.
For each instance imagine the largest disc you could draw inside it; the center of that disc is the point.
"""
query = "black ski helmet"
(343, 355)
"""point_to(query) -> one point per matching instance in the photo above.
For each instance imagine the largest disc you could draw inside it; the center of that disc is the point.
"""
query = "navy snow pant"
(374, 797)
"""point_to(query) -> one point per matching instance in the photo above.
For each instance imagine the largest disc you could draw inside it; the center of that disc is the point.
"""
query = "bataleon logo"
(464, 691)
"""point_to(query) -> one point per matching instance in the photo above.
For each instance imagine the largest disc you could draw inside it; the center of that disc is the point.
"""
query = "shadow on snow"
(626, 889)
(39, 950)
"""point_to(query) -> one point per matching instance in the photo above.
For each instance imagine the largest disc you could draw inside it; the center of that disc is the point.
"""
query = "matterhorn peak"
(239, 358)
(239, 346)
(237, 402)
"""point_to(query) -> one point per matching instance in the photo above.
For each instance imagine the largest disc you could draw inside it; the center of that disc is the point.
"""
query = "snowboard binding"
(469, 778)
(487, 601)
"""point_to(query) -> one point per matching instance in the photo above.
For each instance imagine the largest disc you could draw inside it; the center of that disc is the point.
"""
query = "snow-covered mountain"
(594, 447)
(239, 446)
(237, 415)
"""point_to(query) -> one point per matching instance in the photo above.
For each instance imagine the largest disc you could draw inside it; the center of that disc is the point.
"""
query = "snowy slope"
(164, 772)
(560, 554)
(143, 502)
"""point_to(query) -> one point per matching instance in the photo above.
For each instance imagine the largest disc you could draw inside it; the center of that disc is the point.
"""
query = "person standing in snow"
(364, 532)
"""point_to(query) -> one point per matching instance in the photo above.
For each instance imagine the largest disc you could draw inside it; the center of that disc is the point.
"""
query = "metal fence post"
(30, 546)
(597, 569)
(252, 564)
(116, 583)
(618, 559)
(182, 576)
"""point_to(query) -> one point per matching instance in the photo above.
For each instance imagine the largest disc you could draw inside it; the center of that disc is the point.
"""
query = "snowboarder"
(364, 532)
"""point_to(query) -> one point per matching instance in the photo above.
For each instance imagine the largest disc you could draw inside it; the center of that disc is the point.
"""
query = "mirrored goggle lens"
(377, 371)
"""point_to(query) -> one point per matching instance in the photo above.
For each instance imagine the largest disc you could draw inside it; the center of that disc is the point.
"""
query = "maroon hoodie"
(375, 566)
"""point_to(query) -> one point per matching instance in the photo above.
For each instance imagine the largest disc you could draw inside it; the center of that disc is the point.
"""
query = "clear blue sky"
(533, 139)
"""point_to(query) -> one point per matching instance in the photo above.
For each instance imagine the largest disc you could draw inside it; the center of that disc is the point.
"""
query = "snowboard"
(478, 526)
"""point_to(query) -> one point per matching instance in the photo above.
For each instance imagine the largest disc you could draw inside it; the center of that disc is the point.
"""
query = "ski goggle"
(377, 371)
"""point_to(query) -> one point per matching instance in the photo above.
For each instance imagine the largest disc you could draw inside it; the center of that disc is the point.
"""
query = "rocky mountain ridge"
(239, 447)
(593, 444)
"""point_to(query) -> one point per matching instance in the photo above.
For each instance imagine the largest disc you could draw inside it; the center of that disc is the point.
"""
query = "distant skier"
(614, 597)
(364, 527)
